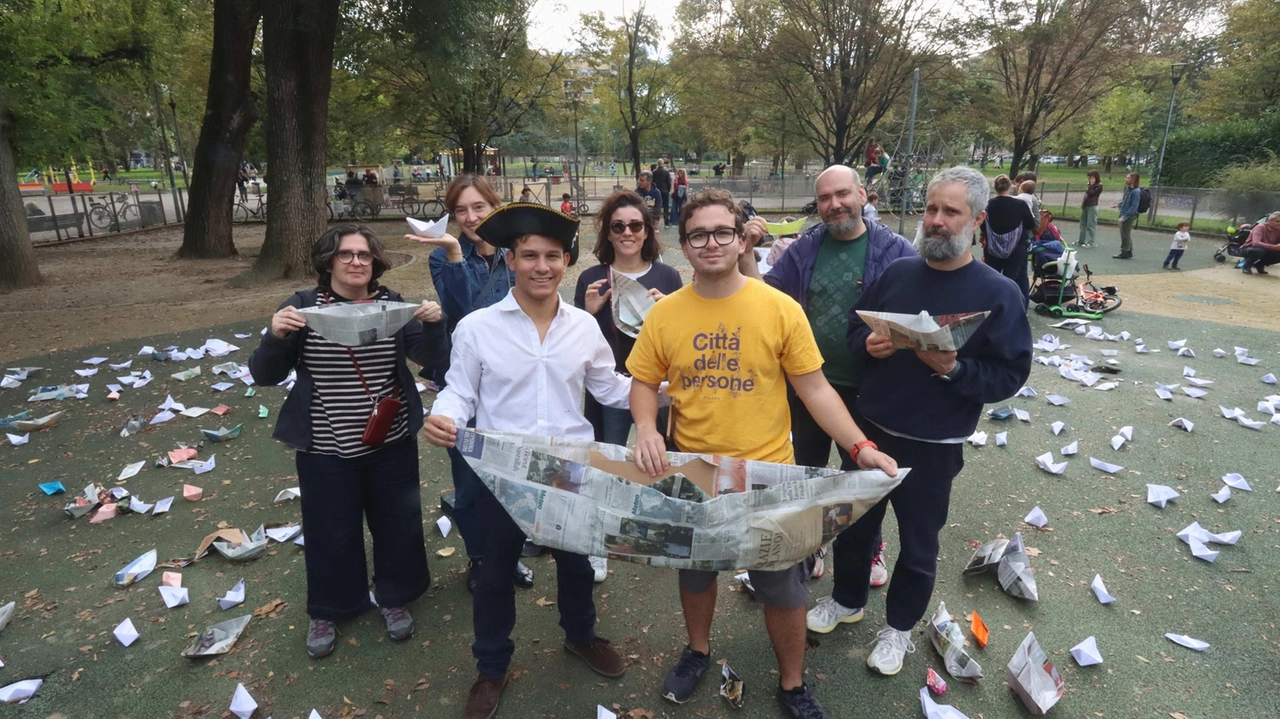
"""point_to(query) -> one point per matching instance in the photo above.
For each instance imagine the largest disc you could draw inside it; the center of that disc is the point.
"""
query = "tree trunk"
(739, 163)
(230, 112)
(634, 136)
(297, 46)
(18, 267)
(1016, 164)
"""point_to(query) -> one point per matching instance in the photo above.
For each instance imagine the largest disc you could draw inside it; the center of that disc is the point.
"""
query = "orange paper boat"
(181, 455)
(191, 492)
(105, 512)
(220, 410)
(171, 579)
(113, 396)
(980, 631)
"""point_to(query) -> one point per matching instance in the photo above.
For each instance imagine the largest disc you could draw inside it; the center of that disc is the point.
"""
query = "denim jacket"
(1129, 203)
(459, 283)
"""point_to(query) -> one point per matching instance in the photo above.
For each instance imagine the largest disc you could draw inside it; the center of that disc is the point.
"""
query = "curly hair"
(649, 251)
(326, 248)
(710, 198)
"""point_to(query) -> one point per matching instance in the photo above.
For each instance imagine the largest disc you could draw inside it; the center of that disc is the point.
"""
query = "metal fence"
(55, 218)
(1205, 209)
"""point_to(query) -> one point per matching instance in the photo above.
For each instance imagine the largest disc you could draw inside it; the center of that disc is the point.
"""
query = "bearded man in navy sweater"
(920, 406)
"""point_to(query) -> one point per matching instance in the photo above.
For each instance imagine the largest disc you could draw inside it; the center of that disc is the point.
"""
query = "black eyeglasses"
(619, 227)
(723, 236)
(347, 256)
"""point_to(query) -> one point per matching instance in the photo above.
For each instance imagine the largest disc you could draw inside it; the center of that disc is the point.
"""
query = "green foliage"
(1246, 84)
(1249, 189)
(1118, 123)
(1196, 154)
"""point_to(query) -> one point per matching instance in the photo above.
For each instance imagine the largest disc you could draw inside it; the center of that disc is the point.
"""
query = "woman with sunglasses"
(350, 470)
(627, 244)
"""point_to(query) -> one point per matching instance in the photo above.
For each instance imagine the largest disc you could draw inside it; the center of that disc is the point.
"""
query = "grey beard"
(940, 245)
(844, 226)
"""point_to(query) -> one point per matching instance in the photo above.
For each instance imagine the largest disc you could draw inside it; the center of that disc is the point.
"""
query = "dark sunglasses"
(617, 228)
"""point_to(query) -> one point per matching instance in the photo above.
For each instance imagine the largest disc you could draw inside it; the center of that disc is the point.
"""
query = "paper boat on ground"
(1013, 566)
(136, 570)
(246, 548)
(222, 434)
(218, 638)
(948, 640)
(706, 512)
(356, 324)
(1034, 678)
(24, 424)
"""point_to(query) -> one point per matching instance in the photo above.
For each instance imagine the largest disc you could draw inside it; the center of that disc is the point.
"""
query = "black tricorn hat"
(509, 223)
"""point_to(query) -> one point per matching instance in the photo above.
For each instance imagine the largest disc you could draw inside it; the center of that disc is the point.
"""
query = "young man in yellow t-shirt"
(727, 345)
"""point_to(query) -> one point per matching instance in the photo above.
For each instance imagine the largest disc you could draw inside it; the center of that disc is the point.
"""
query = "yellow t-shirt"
(726, 361)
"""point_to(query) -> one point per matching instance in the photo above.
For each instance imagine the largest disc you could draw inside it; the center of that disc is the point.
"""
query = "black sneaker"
(1123, 256)
(1262, 270)
(1247, 270)
(524, 576)
(801, 704)
(683, 678)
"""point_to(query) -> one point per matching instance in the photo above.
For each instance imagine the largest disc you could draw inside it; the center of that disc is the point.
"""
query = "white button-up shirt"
(501, 374)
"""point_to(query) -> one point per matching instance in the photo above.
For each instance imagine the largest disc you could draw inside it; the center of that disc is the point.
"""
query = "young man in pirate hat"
(521, 366)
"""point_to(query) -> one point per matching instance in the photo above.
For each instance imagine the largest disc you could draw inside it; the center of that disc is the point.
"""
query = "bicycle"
(1097, 299)
(112, 210)
(243, 212)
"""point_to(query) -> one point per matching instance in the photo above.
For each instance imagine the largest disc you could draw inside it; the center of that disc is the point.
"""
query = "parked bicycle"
(246, 211)
(111, 210)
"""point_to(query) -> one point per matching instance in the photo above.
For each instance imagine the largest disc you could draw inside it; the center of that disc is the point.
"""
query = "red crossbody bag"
(384, 412)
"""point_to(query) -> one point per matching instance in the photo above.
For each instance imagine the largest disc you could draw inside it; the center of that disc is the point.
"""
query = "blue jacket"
(459, 283)
(1129, 203)
(794, 270)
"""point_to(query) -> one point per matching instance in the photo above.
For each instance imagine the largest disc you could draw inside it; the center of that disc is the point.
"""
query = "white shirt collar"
(509, 304)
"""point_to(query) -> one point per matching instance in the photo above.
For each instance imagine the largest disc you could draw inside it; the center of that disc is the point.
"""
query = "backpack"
(1001, 245)
(1144, 200)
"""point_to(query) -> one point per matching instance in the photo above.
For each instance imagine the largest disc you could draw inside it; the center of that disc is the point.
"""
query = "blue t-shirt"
(652, 199)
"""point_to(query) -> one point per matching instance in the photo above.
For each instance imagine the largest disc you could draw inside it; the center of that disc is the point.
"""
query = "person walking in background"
(1007, 232)
(679, 193)
(1089, 210)
(1128, 214)
(662, 181)
(1181, 239)
(348, 476)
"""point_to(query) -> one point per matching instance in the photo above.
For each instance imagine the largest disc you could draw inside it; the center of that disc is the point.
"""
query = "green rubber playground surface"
(59, 570)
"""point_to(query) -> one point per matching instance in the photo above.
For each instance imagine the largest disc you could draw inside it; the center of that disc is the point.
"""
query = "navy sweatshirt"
(900, 393)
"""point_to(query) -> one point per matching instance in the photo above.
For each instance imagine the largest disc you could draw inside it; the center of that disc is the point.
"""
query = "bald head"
(840, 198)
(836, 173)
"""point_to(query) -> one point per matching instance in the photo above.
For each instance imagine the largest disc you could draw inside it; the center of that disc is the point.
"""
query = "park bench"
(50, 223)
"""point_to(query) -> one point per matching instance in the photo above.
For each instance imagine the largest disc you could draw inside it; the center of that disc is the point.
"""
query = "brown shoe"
(482, 701)
(600, 656)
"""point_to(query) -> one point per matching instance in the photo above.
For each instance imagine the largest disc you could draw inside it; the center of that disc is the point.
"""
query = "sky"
(552, 22)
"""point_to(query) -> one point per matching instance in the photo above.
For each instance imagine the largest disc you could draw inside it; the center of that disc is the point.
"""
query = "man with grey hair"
(1263, 246)
(921, 405)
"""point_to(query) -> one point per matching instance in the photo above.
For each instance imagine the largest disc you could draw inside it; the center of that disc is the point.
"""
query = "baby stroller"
(1235, 241)
(1054, 289)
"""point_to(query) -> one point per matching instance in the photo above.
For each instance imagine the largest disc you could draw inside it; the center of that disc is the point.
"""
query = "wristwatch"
(950, 374)
(857, 448)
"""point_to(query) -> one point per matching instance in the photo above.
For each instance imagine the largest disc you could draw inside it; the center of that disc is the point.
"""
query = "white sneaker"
(601, 565)
(829, 613)
(879, 573)
(892, 646)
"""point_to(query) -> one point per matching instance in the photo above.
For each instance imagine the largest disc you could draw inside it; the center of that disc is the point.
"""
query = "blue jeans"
(1173, 257)
(493, 606)
(466, 487)
(920, 503)
(338, 496)
(677, 203)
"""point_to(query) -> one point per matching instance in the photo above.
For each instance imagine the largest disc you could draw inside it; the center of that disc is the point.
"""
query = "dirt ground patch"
(134, 286)
(1254, 297)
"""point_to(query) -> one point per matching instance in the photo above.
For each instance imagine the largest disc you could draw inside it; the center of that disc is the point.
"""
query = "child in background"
(1181, 239)
(1047, 247)
(566, 206)
(869, 211)
(1027, 193)
(526, 195)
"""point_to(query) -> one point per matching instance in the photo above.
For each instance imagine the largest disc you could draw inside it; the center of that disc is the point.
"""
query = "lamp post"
(1176, 71)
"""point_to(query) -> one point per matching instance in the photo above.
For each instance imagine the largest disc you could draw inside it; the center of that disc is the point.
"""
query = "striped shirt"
(340, 407)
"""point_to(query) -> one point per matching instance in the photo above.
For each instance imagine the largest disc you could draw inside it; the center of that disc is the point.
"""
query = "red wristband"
(857, 448)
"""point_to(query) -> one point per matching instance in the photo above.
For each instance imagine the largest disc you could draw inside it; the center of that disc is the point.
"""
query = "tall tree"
(297, 45)
(230, 111)
(1246, 83)
(1052, 59)
(624, 54)
(18, 266)
(1117, 125)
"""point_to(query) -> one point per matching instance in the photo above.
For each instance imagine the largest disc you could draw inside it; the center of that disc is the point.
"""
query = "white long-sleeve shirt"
(501, 374)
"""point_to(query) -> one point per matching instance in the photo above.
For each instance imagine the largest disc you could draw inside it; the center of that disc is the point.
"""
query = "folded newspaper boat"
(356, 324)
(706, 512)
(631, 303)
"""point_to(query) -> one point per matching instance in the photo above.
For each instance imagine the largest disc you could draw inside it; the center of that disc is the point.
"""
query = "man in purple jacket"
(826, 270)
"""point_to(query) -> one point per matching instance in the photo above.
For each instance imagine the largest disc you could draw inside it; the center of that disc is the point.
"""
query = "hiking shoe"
(322, 635)
(524, 576)
(600, 656)
(684, 676)
(1123, 256)
(892, 646)
(829, 613)
(601, 567)
(482, 700)
(399, 623)
(801, 704)
(879, 573)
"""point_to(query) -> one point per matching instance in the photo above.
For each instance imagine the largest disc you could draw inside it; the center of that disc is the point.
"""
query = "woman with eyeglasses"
(469, 274)
(352, 468)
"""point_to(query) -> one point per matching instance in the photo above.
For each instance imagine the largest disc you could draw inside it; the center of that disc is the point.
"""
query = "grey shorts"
(783, 589)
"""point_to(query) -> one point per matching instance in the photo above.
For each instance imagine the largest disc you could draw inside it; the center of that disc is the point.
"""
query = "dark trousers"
(493, 606)
(920, 504)
(813, 449)
(677, 203)
(1014, 266)
(338, 496)
(1173, 257)
(466, 488)
(1260, 257)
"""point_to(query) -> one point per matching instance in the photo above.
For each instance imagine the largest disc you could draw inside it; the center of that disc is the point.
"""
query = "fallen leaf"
(1177, 715)
(1104, 510)
(1033, 552)
(270, 607)
(445, 552)
(544, 602)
